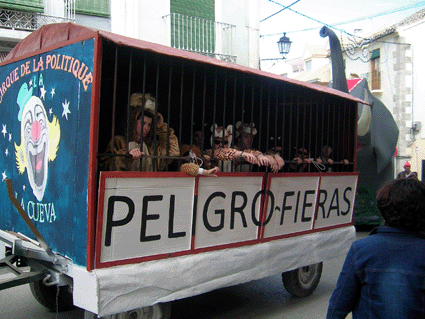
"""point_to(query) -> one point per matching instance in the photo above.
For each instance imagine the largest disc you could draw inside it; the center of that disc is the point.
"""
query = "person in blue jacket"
(384, 274)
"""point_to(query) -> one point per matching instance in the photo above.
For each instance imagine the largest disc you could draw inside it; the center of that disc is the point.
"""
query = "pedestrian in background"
(384, 274)
(407, 173)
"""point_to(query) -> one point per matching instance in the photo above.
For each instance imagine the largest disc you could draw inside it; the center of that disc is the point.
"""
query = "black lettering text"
(321, 204)
(217, 212)
(146, 217)
(306, 205)
(333, 206)
(284, 207)
(296, 207)
(171, 233)
(110, 223)
(347, 201)
(239, 209)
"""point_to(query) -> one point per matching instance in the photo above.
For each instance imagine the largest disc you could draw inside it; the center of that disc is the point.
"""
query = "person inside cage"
(301, 161)
(222, 155)
(198, 137)
(275, 153)
(326, 160)
(193, 164)
(245, 133)
(143, 141)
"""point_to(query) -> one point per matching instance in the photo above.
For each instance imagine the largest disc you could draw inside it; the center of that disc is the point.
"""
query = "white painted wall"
(413, 34)
(99, 23)
(55, 8)
(245, 15)
(144, 19)
(141, 19)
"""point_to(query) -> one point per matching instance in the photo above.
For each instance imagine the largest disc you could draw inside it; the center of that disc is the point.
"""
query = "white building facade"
(392, 62)
(223, 29)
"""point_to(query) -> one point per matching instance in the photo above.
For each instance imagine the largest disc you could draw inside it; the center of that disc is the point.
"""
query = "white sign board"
(146, 216)
(336, 200)
(228, 210)
(291, 205)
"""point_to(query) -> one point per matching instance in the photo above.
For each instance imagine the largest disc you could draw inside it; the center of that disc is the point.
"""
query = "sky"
(303, 20)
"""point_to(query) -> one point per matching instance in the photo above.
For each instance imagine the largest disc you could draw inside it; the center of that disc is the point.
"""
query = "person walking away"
(384, 274)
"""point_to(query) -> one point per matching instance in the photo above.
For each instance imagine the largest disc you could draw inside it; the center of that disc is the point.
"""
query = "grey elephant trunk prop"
(339, 81)
(377, 146)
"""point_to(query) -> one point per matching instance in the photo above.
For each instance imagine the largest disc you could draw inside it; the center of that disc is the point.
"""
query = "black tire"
(48, 295)
(303, 281)
(157, 311)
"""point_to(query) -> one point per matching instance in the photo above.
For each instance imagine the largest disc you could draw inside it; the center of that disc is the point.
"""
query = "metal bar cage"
(291, 120)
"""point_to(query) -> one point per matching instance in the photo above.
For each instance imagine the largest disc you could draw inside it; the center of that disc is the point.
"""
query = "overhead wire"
(285, 7)
(416, 5)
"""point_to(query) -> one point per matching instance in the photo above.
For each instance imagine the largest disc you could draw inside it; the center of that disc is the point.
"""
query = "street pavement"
(260, 299)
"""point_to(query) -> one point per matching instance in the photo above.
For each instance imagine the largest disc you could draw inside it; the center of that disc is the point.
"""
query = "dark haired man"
(384, 274)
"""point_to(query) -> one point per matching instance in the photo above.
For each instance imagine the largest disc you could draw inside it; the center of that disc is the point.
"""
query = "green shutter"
(195, 8)
(93, 7)
(23, 5)
(376, 54)
(204, 33)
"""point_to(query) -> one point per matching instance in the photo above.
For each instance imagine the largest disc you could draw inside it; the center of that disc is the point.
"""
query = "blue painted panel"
(44, 145)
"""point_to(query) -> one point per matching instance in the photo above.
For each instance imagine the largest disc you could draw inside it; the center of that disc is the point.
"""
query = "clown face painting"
(39, 144)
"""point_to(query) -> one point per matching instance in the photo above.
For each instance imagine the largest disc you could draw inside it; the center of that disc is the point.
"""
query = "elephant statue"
(376, 140)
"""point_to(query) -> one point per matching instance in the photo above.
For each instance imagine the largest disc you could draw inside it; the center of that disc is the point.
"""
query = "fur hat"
(245, 128)
(137, 100)
(219, 132)
(407, 164)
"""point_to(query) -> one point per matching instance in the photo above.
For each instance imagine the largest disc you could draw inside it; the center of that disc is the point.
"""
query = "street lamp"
(284, 45)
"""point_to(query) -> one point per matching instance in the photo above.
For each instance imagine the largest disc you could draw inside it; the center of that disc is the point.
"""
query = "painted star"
(66, 110)
(4, 176)
(7, 152)
(52, 92)
(10, 137)
(30, 83)
(43, 93)
(23, 187)
(50, 111)
(4, 131)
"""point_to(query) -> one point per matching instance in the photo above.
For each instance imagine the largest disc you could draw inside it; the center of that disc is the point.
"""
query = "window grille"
(25, 5)
(28, 21)
(203, 36)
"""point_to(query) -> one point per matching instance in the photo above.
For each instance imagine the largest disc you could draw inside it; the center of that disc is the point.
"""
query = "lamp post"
(284, 45)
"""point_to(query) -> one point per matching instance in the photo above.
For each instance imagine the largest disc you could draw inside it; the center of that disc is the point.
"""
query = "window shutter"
(201, 34)
(93, 7)
(23, 5)
(376, 54)
(195, 8)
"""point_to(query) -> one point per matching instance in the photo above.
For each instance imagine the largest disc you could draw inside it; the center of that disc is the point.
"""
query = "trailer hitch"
(21, 278)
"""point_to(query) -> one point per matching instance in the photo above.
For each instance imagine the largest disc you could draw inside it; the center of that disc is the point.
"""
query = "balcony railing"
(27, 21)
(207, 37)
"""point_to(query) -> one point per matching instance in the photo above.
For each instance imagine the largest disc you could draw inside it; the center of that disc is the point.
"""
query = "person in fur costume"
(142, 140)
(220, 155)
(245, 133)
